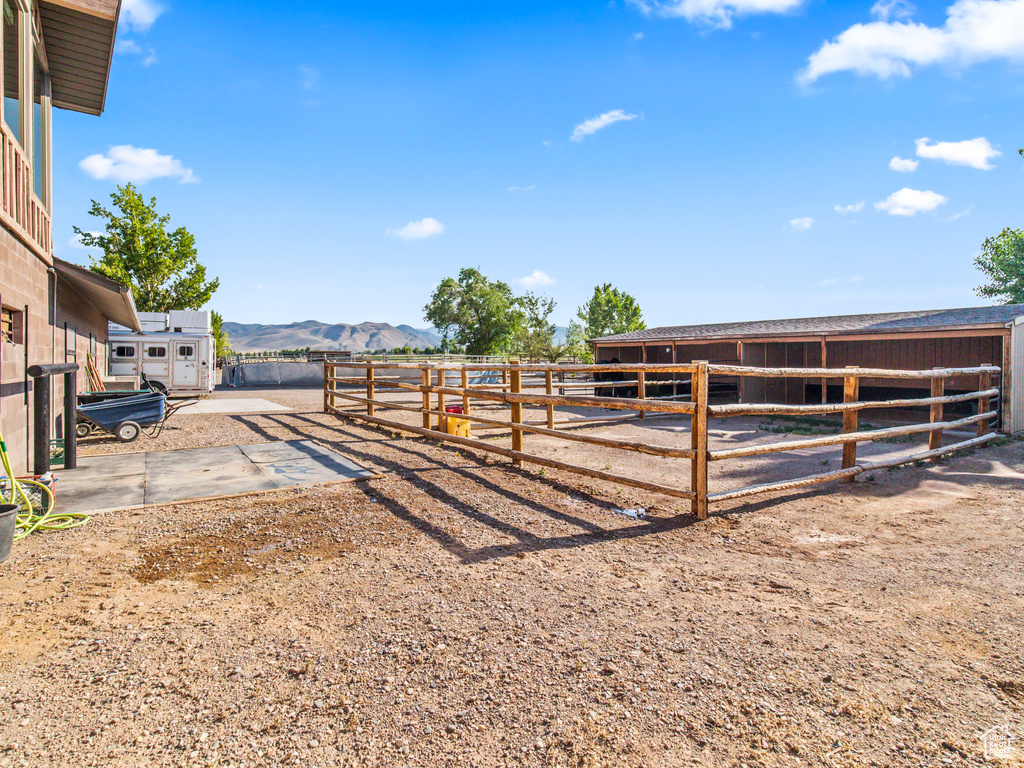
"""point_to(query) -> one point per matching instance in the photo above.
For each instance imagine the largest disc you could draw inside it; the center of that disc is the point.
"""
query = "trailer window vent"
(156, 352)
(124, 351)
(186, 351)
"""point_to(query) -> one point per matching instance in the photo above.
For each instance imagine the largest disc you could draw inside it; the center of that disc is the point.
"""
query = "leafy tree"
(535, 333)
(1002, 262)
(220, 336)
(478, 313)
(576, 343)
(610, 311)
(161, 267)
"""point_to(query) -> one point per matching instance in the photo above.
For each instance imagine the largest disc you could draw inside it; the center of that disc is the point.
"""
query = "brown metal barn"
(895, 340)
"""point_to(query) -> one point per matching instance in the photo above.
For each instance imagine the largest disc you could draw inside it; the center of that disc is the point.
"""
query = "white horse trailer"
(183, 359)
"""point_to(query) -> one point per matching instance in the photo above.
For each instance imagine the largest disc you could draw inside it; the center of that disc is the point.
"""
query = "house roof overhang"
(112, 299)
(78, 36)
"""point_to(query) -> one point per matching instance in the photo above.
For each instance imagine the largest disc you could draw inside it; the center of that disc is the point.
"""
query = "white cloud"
(802, 225)
(310, 77)
(908, 202)
(140, 14)
(417, 230)
(127, 163)
(965, 212)
(903, 165)
(851, 208)
(892, 9)
(127, 46)
(76, 241)
(828, 282)
(974, 152)
(150, 59)
(638, 36)
(714, 13)
(975, 31)
(523, 189)
(595, 124)
(536, 280)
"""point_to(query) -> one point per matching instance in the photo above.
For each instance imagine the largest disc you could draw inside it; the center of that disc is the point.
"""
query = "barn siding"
(1015, 380)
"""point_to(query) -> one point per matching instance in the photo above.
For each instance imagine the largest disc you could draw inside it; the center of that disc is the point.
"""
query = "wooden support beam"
(984, 403)
(851, 393)
(465, 397)
(369, 391)
(549, 390)
(641, 389)
(935, 436)
(517, 416)
(426, 397)
(699, 441)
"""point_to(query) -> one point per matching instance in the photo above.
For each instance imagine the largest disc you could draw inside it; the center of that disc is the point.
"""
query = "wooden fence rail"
(512, 389)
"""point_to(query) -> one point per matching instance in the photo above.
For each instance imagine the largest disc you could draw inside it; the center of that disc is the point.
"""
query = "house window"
(156, 352)
(11, 73)
(12, 326)
(124, 351)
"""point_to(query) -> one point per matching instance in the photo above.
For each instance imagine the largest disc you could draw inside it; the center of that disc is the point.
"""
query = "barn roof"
(888, 322)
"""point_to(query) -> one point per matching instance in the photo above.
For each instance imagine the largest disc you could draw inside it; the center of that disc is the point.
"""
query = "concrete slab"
(116, 481)
(232, 405)
(261, 453)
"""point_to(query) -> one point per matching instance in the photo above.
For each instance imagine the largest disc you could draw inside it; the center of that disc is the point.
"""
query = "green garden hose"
(36, 502)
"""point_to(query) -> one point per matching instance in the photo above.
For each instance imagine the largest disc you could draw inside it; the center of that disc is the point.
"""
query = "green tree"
(160, 267)
(479, 314)
(610, 311)
(576, 343)
(535, 333)
(220, 336)
(1002, 262)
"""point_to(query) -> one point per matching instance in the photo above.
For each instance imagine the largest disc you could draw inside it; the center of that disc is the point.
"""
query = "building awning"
(113, 300)
(78, 36)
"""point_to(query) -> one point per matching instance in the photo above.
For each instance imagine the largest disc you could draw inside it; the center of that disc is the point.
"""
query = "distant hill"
(252, 337)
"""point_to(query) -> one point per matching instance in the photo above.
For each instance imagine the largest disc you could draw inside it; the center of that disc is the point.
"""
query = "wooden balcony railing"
(21, 211)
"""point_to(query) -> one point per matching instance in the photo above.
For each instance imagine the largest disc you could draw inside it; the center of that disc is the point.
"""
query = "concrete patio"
(118, 481)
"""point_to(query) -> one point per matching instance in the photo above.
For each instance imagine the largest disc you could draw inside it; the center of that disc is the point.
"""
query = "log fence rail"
(508, 387)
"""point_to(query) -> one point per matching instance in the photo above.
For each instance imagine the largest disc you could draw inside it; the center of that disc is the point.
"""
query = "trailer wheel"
(83, 429)
(127, 431)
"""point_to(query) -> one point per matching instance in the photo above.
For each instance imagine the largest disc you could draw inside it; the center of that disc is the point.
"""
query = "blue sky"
(337, 160)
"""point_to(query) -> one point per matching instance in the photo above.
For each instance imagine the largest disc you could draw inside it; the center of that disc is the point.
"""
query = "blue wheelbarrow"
(126, 417)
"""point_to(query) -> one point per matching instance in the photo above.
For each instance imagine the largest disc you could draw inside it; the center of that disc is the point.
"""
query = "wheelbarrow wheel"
(127, 431)
(83, 429)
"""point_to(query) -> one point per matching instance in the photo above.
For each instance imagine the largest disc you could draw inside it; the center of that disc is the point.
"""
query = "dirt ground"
(461, 612)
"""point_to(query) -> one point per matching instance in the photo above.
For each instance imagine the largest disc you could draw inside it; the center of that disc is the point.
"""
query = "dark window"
(12, 326)
(156, 352)
(124, 351)
(186, 351)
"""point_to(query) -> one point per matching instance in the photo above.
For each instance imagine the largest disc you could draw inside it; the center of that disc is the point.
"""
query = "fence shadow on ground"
(469, 467)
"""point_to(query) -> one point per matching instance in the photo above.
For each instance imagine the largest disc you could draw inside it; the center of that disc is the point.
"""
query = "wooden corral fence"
(485, 392)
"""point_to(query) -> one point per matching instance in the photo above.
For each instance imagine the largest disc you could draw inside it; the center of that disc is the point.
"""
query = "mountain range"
(252, 337)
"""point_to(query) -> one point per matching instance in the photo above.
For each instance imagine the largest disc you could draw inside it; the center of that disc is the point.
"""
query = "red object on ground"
(453, 409)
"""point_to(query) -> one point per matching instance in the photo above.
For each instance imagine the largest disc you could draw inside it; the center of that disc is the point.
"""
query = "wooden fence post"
(984, 403)
(935, 436)
(328, 373)
(851, 394)
(549, 389)
(516, 386)
(699, 438)
(465, 385)
(641, 389)
(425, 380)
(369, 390)
(442, 377)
